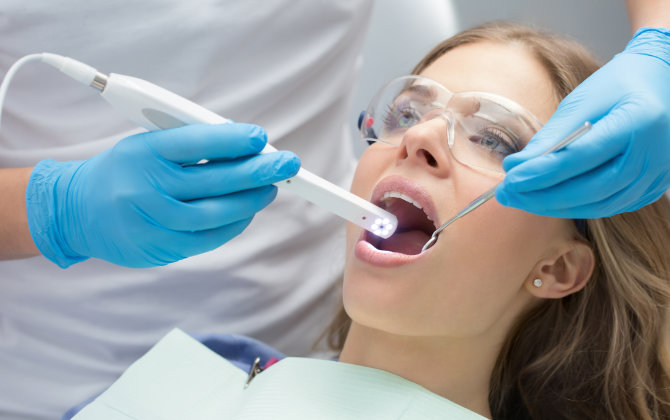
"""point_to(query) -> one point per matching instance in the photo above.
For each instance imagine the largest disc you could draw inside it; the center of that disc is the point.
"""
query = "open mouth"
(415, 227)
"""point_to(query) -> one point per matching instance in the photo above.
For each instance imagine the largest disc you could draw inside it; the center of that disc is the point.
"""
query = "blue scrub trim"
(239, 349)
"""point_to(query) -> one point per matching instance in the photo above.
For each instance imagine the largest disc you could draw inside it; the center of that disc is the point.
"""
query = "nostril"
(430, 160)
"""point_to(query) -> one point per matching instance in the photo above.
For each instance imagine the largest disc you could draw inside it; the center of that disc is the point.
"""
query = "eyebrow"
(421, 90)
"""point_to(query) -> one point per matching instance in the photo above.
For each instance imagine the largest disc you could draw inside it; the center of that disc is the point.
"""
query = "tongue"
(413, 226)
(409, 242)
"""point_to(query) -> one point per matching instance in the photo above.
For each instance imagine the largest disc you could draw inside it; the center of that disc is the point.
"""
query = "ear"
(564, 273)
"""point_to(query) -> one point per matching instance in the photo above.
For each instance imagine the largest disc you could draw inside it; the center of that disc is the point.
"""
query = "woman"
(510, 315)
(589, 340)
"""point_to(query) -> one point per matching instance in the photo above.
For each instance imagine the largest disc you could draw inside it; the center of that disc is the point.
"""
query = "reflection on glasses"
(481, 128)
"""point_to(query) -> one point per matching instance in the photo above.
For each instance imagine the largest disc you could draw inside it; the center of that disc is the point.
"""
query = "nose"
(425, 145)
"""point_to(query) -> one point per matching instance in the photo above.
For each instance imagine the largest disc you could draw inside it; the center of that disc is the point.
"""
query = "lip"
(365, 251)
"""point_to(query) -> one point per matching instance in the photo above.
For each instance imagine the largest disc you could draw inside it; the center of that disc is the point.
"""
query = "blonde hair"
(602, 352)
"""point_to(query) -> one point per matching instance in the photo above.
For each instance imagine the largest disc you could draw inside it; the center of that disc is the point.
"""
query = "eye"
(400, 116)
(495, 140)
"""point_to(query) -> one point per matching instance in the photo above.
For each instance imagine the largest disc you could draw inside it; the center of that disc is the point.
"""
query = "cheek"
(485, 259)
(497, 247)
(492, 236)
(370, 167)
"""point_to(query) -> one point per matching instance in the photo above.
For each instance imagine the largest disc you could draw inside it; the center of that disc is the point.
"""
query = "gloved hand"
(135, 204)
(623, 163)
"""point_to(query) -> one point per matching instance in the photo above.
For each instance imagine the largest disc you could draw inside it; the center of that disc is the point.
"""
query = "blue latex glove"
(135, 204)
(623, 163)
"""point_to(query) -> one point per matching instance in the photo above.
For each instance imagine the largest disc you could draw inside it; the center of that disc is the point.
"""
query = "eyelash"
(500, 136)
(392, 112)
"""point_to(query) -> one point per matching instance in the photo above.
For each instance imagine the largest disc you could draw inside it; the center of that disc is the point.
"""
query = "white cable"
(83, 73)
(10, 74)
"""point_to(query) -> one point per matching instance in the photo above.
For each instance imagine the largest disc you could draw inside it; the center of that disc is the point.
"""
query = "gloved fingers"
(620, 185)
(564, 198)
(192, 143)
(634, 200)
(658, 187)
(225, 177)
(194, 243)
(607, 139)
(208, 213)
(626, 200)
(207, 240)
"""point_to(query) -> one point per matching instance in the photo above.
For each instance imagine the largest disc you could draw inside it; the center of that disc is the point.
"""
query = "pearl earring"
(537, 282)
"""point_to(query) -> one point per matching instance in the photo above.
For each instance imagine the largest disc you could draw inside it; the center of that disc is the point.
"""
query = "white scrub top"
(287, 65)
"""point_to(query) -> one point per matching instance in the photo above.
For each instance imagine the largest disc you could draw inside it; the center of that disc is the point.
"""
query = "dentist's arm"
(623, 163)
(655, 13)
(15, 239)
(137, 205)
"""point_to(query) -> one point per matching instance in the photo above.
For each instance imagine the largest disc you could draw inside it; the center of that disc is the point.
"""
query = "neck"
(457, 369)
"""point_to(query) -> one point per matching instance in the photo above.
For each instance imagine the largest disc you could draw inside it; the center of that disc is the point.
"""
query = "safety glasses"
(481, 128)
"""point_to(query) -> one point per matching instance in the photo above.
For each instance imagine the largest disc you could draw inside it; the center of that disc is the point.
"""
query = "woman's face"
(477, 276)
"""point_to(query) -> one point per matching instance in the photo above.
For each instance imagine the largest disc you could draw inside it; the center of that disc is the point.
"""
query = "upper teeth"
(395, 194)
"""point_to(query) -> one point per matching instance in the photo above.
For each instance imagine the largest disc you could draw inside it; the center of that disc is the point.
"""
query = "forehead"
(505, 69)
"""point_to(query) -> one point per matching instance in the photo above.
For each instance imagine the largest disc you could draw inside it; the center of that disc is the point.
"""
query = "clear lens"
(481, 128)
